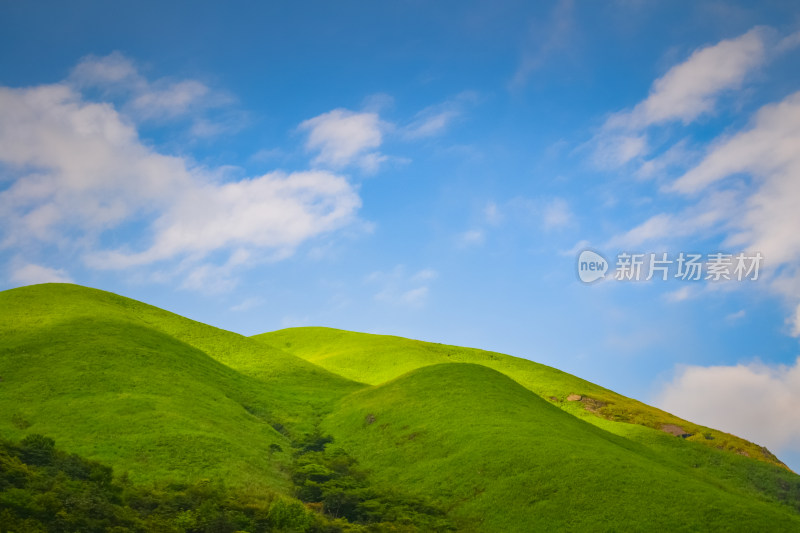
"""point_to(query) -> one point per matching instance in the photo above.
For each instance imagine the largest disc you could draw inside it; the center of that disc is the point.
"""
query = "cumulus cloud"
(75, 164)
(30, 274)
(78, 171)
(276, 211)
(342, 137)
(754, 401)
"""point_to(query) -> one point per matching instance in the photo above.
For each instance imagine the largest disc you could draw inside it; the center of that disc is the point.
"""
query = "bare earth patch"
(675, 430)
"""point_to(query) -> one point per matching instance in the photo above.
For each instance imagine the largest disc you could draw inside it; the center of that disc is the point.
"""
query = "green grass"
(502, 459)
(375, 359)
(150, 392)
(489, 438)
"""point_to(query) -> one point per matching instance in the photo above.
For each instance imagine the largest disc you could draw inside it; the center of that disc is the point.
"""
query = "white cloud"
(678, 156)
(30, 274)
(738, 315)
(343, 137)
(473, 237)
(78, 171)
(107, 70)
(208, 278)
(399, 288)
(557, 214)
(747, 187)
(684, 93)
(247, 304)
(117, 76)
(743, 188)
(754, 401)
(789, 42)
(795, 322)
(275, 211)
(692, 88)
(492, 214)
(679, 295)
(614, 150)
(430, 123)
(172, 100)
(542, 213)
(415, 296)
(547, 39)
(435, 119)
(425, 274)
(77, 165)
(711, 215)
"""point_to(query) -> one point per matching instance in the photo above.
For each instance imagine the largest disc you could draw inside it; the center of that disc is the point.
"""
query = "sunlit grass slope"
(375, 359)
(151, 392)
(491, 439)
(500, 458)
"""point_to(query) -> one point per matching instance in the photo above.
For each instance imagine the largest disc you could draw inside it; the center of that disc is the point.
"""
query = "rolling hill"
(151, 392)
(375, 359)
(372, 429)
(500, 458)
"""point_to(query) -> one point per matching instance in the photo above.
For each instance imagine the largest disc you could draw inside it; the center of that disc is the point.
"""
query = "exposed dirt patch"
(369, 419)
(574, 398)
(590, 404)
(678, 431)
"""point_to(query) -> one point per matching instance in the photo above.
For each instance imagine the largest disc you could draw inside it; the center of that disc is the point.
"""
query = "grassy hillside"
(375, 433)
(500, 458)
(375, 359)
(151, 392)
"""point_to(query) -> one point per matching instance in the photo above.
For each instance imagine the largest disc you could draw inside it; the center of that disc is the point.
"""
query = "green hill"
(151, 392)
(500, 458)
(391, 434)
(375, 359)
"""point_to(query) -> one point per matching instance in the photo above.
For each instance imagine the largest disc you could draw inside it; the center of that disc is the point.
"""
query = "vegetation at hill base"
(45, 489)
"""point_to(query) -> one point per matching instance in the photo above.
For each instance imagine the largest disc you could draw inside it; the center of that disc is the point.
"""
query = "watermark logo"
(591, 266)
(683, 266)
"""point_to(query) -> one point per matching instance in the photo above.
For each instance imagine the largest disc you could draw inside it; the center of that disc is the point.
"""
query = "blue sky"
(430, 171)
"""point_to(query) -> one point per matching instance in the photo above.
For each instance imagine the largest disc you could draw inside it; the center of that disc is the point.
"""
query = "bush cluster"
(43, 489)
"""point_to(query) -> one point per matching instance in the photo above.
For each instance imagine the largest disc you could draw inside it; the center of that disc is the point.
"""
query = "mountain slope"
(500, 458)
(375, 359)
(491, 441)
(150, 392)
